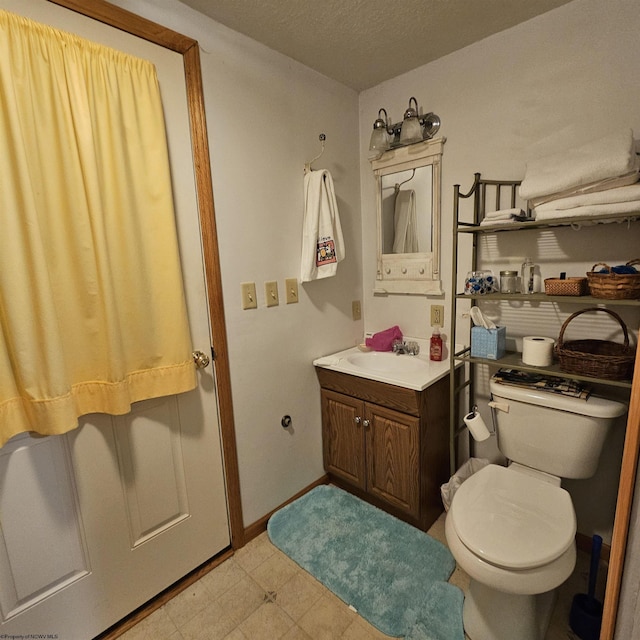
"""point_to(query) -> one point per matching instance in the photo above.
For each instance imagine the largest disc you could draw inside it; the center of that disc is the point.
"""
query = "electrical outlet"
(271, 293)
(249, 300)
(356, 310)
(291, 287)
(437, 315)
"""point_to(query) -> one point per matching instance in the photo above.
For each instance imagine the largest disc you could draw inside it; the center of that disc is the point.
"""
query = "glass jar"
(508, 282)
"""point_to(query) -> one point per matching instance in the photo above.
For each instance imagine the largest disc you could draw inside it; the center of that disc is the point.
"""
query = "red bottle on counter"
(435, 347)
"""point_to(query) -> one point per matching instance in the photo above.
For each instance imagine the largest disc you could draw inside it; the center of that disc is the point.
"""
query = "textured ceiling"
(361, 43)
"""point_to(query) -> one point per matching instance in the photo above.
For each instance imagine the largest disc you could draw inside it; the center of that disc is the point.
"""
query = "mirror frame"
(410, 273)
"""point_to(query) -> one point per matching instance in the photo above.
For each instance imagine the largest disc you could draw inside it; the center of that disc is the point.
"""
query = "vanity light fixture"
(380, 138)
(413, 128)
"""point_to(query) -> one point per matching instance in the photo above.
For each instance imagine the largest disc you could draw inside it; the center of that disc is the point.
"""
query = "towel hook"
(307, 167)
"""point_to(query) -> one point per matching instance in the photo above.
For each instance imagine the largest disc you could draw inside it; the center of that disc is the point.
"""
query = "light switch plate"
(291, 287)
(249, 299)
(271, 293)
(356, 310)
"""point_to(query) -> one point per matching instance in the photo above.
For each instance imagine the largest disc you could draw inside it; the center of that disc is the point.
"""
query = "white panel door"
(98, 521)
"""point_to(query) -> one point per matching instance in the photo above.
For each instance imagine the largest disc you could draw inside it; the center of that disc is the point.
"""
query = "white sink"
(411, 372)
(385, 362)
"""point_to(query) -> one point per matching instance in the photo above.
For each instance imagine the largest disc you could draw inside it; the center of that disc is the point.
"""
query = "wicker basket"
(598, 358)
(614, 286)
(566, 286)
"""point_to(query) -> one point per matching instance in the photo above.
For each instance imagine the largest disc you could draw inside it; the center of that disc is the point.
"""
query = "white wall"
(264, 114)
(553, 82)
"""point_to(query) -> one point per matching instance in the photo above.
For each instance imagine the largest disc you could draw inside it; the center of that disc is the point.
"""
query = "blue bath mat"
(393, 574)
(441, 616)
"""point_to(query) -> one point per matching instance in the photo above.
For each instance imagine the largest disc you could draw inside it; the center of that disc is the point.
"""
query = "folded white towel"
(607, 157)
(504, 216)
(591, 211)
(509, 220)
(593, 187)
(621, 194)
(322, 241)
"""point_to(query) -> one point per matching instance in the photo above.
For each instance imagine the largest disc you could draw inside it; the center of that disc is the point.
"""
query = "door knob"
(201, 359)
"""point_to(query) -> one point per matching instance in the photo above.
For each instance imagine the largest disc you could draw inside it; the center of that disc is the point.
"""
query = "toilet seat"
(513, 520)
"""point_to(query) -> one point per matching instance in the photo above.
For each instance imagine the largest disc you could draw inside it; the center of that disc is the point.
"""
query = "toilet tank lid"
(594, 406)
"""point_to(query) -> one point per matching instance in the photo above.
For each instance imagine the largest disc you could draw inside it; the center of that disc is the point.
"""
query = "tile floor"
(260, 594)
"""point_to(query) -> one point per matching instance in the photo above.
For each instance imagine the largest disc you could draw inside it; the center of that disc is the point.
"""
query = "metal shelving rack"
(505, 190)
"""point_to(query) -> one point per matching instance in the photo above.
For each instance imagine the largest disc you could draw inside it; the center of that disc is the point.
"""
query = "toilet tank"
(557, 434)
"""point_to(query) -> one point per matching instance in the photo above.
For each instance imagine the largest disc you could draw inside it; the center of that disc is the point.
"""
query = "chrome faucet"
(410, 348)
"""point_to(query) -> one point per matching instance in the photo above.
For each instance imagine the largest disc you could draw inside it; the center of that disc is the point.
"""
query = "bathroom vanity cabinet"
(387, 444)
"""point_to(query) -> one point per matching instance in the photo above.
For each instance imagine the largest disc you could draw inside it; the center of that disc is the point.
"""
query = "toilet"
(512, 529)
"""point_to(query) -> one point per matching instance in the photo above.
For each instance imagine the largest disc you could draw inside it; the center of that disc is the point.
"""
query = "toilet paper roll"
(476, 426)
(537, 351)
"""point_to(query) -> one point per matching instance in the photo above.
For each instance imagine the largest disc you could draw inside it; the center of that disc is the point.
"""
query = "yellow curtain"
(92, 310)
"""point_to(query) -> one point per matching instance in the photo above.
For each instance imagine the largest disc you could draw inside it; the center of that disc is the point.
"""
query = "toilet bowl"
(512, 529)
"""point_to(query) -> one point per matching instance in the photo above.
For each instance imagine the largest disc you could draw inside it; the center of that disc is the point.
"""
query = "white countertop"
(411, 372)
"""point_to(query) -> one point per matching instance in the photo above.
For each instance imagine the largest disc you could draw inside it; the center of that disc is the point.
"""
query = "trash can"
(471, 466)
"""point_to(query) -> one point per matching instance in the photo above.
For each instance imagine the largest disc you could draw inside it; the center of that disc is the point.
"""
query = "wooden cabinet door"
(393, 446)
(343, 437)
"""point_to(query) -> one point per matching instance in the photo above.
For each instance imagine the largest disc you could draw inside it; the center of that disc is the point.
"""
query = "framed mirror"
(408, 219)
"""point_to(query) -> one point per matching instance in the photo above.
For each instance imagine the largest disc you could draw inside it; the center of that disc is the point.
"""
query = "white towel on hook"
(322, 241)
(405, 236)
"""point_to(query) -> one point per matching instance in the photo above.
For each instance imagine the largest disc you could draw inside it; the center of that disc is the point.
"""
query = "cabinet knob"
(357, 419)
(365, 423)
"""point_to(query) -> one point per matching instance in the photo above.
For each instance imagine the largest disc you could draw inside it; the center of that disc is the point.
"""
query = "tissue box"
(488, 343)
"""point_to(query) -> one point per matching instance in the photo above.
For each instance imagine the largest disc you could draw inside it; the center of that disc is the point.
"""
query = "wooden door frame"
(624, 505)
(141, 27)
